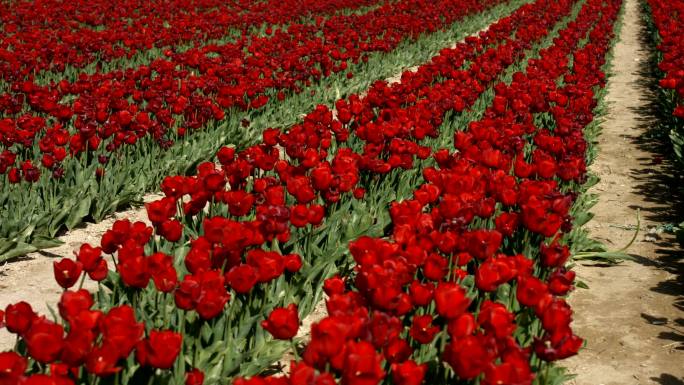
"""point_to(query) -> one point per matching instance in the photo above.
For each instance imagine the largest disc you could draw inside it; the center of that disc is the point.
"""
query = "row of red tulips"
(53, 35)
(668, 17)
(186, 91)
(439, 291)
(223, 242)
(97, 182)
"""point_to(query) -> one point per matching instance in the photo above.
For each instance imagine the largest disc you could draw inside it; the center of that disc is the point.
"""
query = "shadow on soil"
(667, 379)
(661, 183)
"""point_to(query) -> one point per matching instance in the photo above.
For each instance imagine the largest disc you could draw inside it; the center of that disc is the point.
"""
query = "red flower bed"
(668, 17)
(494, 314)
(472, 270)
(185, 91)
(53, 35)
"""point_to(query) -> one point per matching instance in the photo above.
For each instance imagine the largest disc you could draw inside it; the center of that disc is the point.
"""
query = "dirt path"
(632, 316)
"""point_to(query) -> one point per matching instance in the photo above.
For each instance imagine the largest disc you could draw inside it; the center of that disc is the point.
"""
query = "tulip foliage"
(436, 215)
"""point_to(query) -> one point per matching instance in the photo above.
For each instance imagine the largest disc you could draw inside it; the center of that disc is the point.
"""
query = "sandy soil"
(632, 316)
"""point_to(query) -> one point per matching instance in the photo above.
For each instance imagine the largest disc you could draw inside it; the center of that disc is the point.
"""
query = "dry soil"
(632, 315)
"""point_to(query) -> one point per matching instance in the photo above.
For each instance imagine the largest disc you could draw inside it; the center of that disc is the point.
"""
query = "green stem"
(294, 349)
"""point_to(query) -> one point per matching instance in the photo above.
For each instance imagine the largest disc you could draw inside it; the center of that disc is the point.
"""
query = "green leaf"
(80, 211)
(206, 332)
(16, 249)
(603, 256)
(43, 242)
(58, 220)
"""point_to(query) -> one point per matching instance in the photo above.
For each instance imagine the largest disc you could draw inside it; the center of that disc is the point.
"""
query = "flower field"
(438, 214)
(82, 134)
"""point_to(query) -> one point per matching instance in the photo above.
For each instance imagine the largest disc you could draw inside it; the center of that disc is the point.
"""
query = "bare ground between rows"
(632, 315)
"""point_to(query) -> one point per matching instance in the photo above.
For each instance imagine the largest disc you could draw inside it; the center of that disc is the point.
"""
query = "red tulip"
(102, 361)
(530, 291)
(213, 295)
(100, 272)
(171, 230)
(408, 373)
(71, 303)
(242, 278)
(362, 364)
(194, 377)
(469, 356)
(89, 257)
(422, 329)
(77, 345)
(451, 300)
(496, 320)
(44, 340)
(397, 350)
(282, 323)
(12, 367)
(18, 317)
(292, 262)
(163, 272)
(67, 272)
(462, 326)
(421, 294)
(560, 281)
(120, 333)
(159, 350)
